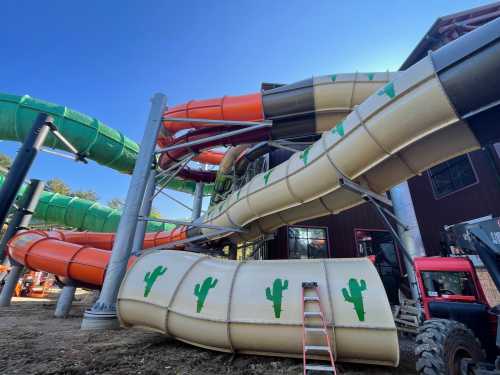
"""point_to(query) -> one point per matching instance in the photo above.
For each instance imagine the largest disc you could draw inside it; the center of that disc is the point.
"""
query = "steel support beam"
(102, 315)
(200, 142)
(408, 260)
(217, 122)
(356, 188)
(176, 200)
(197, 201)
(147, 203)
(9, 287)
(191, 224)
(23, 214)
(22, 163)
(65, 301)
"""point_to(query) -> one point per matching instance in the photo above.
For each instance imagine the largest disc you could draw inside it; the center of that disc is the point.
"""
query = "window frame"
(470, 280)
(329, 254)
(438, 197)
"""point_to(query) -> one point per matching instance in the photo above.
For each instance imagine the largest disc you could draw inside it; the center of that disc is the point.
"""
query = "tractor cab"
(448, 280)
(461, 332)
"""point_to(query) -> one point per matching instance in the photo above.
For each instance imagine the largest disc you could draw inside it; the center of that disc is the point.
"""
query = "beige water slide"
(427, 114)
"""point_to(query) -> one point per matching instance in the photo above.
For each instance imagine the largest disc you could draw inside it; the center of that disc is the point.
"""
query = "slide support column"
(197, 201)
(22, 163)
(412, 239)
(20, 220)
(102, 315)
(23, 214)
(10, 284)
(65, 301)
(147, 203)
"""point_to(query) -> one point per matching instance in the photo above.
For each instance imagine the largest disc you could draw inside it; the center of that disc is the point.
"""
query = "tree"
(116, 203)
(90, 195)
(56, 185)
(5, 161)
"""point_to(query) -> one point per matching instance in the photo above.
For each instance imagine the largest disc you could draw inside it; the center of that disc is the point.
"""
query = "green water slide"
(91, 137)
(82, 214)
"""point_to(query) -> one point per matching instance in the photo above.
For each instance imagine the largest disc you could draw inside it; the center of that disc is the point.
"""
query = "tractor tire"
(441, 345)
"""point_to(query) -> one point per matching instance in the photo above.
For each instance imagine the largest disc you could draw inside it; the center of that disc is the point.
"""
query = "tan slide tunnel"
(255, 307)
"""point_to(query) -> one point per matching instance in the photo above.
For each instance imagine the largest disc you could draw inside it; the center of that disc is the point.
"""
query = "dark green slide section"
(98, 141)
(82, 214)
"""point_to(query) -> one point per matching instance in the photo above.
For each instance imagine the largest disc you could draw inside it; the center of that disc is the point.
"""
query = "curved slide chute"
(443, 106)
(82, 214)
(254, 307)
(91, 137)
(78, 256)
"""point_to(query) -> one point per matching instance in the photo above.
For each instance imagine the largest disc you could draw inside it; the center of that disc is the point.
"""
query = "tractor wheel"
(442, 344)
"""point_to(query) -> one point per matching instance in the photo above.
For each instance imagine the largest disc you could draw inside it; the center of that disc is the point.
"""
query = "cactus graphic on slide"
(202, 291)
(276, 296)
(150, 278)
(355, 296)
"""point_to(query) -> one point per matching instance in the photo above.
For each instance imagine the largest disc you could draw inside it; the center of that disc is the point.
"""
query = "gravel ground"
(33, 342)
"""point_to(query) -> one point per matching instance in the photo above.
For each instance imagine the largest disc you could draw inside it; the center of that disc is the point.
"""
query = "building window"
(307, 242)
(451, 176)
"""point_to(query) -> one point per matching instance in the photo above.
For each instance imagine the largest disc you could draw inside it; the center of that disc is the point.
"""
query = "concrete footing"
(93, 320)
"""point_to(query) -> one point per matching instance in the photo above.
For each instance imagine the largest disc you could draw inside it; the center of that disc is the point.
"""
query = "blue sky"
(107, 58)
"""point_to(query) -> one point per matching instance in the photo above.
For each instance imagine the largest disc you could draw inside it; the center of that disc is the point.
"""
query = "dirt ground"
(33, 342)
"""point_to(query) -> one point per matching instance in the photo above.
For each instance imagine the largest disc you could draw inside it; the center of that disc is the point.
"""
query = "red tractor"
(460, 334)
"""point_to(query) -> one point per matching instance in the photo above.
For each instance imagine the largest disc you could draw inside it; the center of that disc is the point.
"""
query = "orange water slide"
(237, 108)
(79, 256)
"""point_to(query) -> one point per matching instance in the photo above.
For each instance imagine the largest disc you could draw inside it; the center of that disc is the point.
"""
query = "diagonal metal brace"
(78, 155)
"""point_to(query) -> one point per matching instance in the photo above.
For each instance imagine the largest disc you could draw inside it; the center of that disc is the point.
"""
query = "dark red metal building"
(461, 189)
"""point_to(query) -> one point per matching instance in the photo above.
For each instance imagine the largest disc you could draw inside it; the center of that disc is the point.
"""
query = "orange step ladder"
(310, 297)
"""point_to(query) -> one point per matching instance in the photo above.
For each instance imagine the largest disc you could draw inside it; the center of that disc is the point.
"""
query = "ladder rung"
(311, 298)
(319, 368)
(309, 285)
(319, 348)
(315, 329)
(309, 314)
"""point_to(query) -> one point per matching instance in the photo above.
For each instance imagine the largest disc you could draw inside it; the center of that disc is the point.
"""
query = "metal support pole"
(410, 270)
(402, 204)
(65, 301)
(10, 284)
(23, 214)
(197, 201)
(147, 202)
(102, 315)
(19, 169)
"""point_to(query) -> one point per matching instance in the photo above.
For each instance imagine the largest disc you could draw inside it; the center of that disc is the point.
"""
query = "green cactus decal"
(339, 129)
(202, 291)
(276, 296)
(356, 296)
(151, 277)
(305, 154)
(388, 90)
(266, 176)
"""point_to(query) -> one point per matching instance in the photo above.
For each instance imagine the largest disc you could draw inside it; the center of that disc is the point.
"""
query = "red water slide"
(236, 108)
(79, 256)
